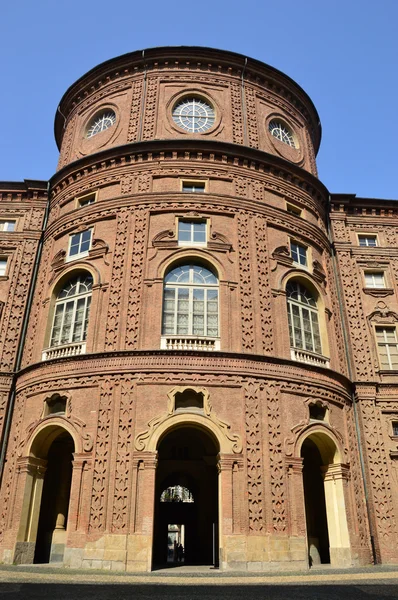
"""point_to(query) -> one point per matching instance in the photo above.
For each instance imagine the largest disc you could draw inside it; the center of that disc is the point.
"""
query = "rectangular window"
(193, 187)
(298, 253)
(395, 428)
(7, 225)
(367, 241)
(86, 200)
(3, 266)
(387, 344)
(79, 244)
(375, 280)
(293, 210)
(191, 232)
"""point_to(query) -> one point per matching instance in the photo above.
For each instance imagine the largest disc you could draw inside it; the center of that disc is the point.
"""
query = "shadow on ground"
(116, 591)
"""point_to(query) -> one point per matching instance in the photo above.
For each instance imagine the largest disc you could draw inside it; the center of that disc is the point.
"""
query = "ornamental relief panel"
(205, 413)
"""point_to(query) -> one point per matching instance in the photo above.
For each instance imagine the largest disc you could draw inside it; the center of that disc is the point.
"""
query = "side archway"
(324, 478)
(47, 472)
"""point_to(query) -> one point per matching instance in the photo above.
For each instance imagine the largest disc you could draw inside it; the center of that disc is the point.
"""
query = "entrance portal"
(186, 499)
(53, 517)
(315, 504)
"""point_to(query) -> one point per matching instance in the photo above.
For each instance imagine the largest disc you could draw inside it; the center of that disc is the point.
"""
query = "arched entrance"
(53, 517)
(186, 498)
(44, 519)
(326, 520)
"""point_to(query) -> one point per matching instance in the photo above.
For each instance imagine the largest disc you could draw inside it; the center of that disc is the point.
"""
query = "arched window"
(71, 311)
(190, 302)
(303, 318)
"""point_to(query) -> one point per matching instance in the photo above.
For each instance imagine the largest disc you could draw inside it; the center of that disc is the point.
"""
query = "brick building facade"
(197, 339)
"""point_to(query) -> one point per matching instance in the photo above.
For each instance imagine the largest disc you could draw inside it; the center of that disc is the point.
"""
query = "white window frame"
(375, 280)
(366, 237)
(305, 248)
(3, 266)
(7, 225)
(192, 223)
(190, 287)
(63, 302)
(314, 315)
(387, 345)
(86, 200)
(198, 186)
(82, 254)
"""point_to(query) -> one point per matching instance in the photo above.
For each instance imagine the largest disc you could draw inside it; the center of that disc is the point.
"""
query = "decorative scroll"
(264, 289)
(254, 457)
(115, 292)
(123, 459)
(135, 287)
(237, 117)
(102, 455)
(275, 445)
(246, 291)
(142, 439)
(132, 135)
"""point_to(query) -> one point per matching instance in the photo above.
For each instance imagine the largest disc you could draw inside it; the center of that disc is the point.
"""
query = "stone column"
(31, 472)
(334, 477)
(139, 546)
(296, 511)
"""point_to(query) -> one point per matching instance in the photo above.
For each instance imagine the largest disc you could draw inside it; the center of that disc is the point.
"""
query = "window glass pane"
(3, 266)
(368, 240)
(67, 322)
(74, 244)
(199, 232)
(294, 252)
(184, 231)
(85, 242)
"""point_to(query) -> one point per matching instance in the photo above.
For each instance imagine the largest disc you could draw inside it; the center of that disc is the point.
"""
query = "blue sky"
(343, 53)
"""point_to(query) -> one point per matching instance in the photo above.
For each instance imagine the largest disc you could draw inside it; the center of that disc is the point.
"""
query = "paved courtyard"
(31, 583)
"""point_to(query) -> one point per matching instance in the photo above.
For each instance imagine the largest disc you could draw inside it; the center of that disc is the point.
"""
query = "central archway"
(186, 498)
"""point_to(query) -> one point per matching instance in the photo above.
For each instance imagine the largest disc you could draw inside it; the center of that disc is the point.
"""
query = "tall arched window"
(71, 311)
(190, 302)
(303, 318)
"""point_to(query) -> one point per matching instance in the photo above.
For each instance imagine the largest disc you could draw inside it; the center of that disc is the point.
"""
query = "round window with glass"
(194, 115)
(100, 122)
(282, 133)
(190, 302)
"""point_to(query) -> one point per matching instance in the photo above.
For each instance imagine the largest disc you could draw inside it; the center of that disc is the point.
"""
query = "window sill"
(310, 358)
(181, 342)
(190, 244)
(76, 256)
(64, 351)
(378, 292)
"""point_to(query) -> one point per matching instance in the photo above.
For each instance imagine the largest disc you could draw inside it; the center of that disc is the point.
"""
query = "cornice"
(182, 59)
(220, 153)
(225, 364)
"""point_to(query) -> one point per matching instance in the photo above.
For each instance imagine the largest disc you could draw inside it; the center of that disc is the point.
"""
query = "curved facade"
(184, 332)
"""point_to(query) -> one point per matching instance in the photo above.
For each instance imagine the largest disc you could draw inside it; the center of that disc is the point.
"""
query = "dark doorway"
(186, 499)
(53, 518)
(315, 505)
